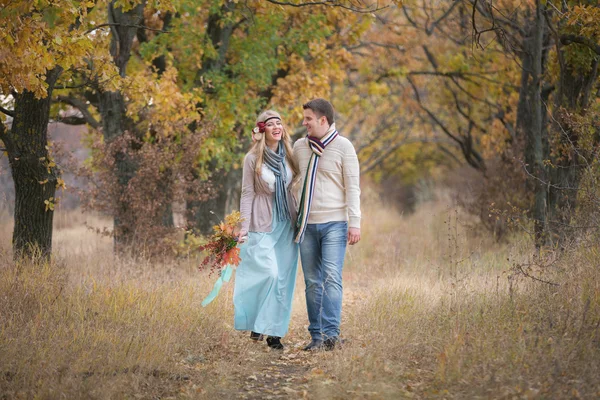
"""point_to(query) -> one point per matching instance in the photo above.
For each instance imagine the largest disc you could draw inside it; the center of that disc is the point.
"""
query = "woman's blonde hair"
(258, 147)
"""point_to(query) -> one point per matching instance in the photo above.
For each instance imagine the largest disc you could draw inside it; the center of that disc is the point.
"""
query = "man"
(328, 218)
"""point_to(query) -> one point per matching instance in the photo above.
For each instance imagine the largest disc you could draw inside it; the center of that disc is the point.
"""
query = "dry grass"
(431, 311)
(445, 315)
(92, 326)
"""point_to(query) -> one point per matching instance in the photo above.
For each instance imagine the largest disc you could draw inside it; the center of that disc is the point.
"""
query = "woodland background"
(477, 126)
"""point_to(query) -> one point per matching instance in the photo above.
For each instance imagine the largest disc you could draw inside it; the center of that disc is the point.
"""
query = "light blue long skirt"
(265, 280)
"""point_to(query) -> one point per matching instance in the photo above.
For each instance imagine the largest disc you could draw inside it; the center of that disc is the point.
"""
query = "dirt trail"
(257, 372)
(284, 377)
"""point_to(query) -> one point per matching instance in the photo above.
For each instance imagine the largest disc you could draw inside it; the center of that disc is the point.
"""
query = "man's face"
(316, 126)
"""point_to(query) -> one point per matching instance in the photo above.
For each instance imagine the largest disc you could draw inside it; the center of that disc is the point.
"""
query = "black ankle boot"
(314, 345)
(256, 336)
(274, 342)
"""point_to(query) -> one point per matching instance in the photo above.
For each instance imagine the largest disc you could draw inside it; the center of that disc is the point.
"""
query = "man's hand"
(353, 235)
(242, 237)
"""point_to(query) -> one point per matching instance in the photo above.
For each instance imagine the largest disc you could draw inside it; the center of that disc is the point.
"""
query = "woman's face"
(273, 132)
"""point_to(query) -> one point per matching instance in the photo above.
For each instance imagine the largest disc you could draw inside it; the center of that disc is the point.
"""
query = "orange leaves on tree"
(38, 37)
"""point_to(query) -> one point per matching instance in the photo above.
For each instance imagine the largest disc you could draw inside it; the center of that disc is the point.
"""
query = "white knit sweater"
(337, 186)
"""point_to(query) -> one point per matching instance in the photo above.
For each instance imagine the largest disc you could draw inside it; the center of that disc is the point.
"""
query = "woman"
(266, 276)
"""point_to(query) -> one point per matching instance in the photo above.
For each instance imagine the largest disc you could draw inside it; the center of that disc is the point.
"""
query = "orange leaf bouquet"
(222, 247)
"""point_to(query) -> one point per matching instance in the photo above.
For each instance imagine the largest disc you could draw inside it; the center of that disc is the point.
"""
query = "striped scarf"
(317, 146)
(276, 163)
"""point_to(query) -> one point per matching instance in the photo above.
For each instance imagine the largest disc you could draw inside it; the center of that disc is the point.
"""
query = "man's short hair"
(322, 108)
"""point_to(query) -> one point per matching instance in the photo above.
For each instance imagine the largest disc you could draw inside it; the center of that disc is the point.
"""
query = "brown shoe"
(256, 336)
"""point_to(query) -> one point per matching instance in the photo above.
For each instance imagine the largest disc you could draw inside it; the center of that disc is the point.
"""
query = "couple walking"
(325, 167)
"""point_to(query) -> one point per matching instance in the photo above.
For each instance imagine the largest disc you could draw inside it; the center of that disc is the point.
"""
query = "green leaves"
(50, 16)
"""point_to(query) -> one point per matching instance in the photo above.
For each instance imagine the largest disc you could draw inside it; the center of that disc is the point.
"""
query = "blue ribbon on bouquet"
(225, 276)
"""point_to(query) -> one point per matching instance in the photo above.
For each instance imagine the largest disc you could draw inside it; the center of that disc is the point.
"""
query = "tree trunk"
(531, 120)
(233, 190)
(33, 173)
(201, 216)
(165, 213)
(573, 96)
(115, 122)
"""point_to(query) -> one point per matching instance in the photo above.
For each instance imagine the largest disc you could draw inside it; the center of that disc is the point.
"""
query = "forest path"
(254, 371)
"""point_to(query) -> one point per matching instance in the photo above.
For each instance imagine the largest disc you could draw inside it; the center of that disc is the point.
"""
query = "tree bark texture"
(115, 122)
(574, 90)
(531, 119)
(34, 177)
(203, 215)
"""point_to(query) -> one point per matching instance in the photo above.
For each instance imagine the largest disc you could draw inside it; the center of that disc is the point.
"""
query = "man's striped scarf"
(317, 146)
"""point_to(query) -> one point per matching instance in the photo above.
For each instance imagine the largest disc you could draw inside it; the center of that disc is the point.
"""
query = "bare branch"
(408, 18)
(462, 75)
(376, 44)
(557, 44)
(450, 154)
(112, 24)
(331, 3)
(502, 27)
(472, 157)
(4, 137)
(7, 112)
(489, 14)
(568, 39)
(463, 113)
(379, 156)
(433, 25)
(431, 114)
(377, 159)
(508, 125)
(528, 275)
(449, 74)
(82, 107)
(72, 120)
(448, 35)
(430, 57)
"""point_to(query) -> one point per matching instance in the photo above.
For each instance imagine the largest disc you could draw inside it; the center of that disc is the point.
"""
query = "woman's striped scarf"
(276, 163)
(317, 146)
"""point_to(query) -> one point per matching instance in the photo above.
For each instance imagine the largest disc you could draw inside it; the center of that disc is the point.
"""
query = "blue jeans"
(322, 253)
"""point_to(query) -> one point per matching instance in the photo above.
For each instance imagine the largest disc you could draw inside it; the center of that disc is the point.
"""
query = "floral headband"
(260, 126)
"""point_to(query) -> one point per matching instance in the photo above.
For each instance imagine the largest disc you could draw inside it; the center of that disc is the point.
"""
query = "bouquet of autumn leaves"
(223, 255)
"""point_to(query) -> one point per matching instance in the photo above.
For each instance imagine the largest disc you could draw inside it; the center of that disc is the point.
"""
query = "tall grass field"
(433, 308)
